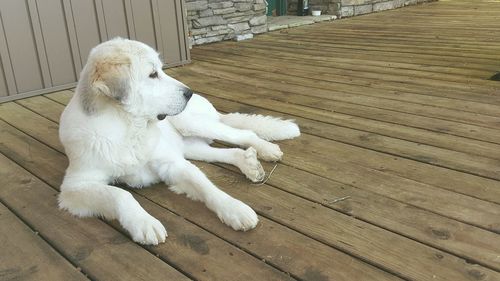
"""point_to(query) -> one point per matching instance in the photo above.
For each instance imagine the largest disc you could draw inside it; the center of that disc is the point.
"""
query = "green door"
(276, 7)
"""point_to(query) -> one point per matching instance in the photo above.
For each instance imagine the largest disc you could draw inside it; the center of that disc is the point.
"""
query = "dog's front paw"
(238, 215)
(269, 151)
(250, 166)
(146, 230)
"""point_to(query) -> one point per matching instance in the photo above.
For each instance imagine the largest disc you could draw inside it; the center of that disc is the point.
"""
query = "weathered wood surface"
(399, 120)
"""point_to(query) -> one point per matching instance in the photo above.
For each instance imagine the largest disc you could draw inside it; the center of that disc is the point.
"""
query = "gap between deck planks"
(26, 256)
(344, 82)
(270, 248)
(370, 141)
(462, 180)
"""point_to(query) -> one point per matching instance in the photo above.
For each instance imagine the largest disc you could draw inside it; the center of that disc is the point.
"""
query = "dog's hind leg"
(94, 198)
(216, 130)
(245, 160)
(185, 178)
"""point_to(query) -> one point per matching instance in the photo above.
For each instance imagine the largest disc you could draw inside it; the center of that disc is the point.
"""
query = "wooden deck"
(396, 175)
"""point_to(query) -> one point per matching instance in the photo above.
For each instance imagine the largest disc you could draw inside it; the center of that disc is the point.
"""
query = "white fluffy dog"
(112, 132)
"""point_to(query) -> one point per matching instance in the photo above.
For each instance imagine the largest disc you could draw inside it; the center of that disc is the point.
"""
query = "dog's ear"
(111, 76)
(107, 77)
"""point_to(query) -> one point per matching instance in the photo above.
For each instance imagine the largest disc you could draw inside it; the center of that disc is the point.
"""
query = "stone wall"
(217, 20)
(349, 8)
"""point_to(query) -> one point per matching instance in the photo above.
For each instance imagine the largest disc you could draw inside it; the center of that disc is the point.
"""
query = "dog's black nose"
(187, 93)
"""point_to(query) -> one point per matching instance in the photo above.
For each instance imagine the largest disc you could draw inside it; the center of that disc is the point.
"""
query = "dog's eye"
(154, 75)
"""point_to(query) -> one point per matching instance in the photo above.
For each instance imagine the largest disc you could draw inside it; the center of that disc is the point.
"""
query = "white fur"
(111, 133)
(267, 127)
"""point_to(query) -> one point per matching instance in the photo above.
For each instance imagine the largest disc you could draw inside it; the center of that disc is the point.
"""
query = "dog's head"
(128, 74)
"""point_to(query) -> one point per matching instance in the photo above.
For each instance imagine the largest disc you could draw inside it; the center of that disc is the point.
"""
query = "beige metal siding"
(22, 52)
(141, 24)
(57, 45)
(45, 43)
(86, 26)
(3, 83)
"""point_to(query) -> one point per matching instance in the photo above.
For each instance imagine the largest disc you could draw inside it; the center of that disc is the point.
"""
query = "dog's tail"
(267, 127)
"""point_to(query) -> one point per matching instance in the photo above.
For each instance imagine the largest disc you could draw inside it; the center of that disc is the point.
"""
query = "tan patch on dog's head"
(109, 77)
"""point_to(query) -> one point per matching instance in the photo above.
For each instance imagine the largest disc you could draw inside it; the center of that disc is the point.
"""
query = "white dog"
(112, 132)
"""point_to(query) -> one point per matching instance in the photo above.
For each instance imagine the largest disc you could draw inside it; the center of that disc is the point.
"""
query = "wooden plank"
(10, 112)
(99, 250)
(188, 241)
(360, 239)
(389, 116)
(62, 97)
(460, 160)
(26, 256)
(228, 92)
(374, 209)
(300, 205)
(491, 193)
(333, 110)
(43, 106)
(478, 188)
(305, 87)
(472, 186)
(379, 55)
(266, 242)
(351, 66)
(331, 74)
(358, 60)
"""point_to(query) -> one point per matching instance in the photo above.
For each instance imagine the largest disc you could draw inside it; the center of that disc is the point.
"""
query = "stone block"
(240, 7)
(239, 27)
(241, 37)
(258, 20)
(347, 11)
(220, 5)
(208, 21)
(217, 32)
(382, 6)
(198, 31)
(206, 13)
(259, 7)
(238, 14)
(196, 5)
(363, 9)
(224, 11)
(205, 40)
(259, 29)
(354, 2)
(239, 19)
(217, 27)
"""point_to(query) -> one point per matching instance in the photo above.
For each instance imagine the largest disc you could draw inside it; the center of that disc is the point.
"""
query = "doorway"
(276, 7)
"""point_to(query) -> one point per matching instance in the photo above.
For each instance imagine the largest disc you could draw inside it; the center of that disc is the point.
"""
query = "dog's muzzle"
(187, 93)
